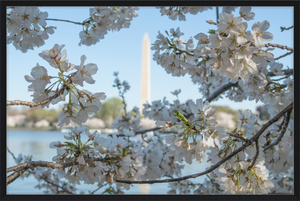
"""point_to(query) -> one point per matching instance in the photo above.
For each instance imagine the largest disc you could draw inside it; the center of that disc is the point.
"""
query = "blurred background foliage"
(112, 108)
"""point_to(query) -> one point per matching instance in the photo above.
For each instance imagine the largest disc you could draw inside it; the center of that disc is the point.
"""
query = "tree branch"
(284, 28)
(79, 23)
(222, 89)
(15, 175)
(140, 132)
(250, 141)
(31, 104)
(279, 46)
(64, 189)
(237, 136)
(11, 153)
(282, 131)
(284, 55)
(256, 155)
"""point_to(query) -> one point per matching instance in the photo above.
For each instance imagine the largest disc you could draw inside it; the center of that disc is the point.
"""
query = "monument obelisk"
(145, 77)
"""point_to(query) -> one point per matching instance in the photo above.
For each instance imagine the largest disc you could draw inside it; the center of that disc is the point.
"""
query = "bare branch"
(286, 122)
(98, 188)
(279, 46)
(237, 136)
(11, 153)
(31, 104)
(46, 164)
(140, 132)
(284, 28)
(15, 175)
(64, 189)
(79, 23)
(221, 90)
(256, 155)
(248, 143)
(284, 55)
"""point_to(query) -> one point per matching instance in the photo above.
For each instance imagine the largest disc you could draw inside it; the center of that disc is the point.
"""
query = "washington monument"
(145, 77)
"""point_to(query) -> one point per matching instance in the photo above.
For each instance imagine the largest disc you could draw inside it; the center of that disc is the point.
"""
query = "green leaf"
(109, 190)
(211, 31)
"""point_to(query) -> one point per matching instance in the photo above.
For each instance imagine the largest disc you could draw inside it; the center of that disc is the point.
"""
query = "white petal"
(91, 68)
(250, 16)
(82, 59)
(264, 25)
(245, 10)
(100, 96)
(267, 36)
(259, 42)
(88, 79)
(29, 78)
(241, 40)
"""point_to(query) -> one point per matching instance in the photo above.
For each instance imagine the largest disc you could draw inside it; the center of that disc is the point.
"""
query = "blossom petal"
(88, 79)
(264, 25)
(91, 68)
(267, 36)
(245, 10)
(259, 42)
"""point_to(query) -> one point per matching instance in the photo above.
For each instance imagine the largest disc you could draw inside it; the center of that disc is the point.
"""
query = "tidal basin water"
(36, 143)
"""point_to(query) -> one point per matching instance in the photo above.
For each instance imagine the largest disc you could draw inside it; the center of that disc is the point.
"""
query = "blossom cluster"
(104, 19)
(227, 51)
(81, 102)
(179, 12)
(107, 159)
(233, 176)
(27, 27)
(230, 53)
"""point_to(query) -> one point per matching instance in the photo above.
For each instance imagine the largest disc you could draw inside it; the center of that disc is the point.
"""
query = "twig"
(11, 153)
(31, 104)
(140, 132)
(286, 72)
(280, 78)
(250, 141)
(64, 189)
(237, 136)
(284, 28)
(79, 23)
(98, 188)
(222, 89)
(256, 155)
(279, 46)
(286, 54)
(282, 131)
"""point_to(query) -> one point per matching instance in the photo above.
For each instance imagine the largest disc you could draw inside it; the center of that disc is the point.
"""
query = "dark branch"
(248, 143)
(286, 122)
(284, 28)
(256, 155)
(64, 189)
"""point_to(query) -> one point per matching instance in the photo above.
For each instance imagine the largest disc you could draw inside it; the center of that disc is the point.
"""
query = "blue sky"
(122, 51)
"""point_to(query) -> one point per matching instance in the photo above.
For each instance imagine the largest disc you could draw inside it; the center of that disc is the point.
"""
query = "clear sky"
(122, 51)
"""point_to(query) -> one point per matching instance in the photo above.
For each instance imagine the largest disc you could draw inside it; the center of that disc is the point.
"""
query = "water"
(36, 143)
